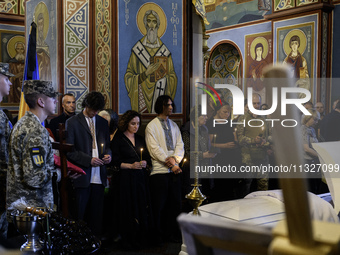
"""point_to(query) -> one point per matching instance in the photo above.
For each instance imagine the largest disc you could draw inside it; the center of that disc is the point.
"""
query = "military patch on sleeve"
(37, 157)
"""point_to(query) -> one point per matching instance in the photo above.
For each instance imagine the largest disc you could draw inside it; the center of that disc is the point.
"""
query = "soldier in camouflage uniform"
(254, 144)
(31, 162)
(5, 131)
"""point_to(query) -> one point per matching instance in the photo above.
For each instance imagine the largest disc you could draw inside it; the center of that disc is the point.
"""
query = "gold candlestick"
(141, 154)
(195, 196)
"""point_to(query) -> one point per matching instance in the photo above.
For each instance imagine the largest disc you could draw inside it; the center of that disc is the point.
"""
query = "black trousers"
(165, 191)
(90, 202)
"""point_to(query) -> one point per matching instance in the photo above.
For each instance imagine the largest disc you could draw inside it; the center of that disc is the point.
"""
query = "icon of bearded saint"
(150, 72)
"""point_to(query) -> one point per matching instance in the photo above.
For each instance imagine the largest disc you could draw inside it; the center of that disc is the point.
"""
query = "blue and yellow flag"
(31, 66)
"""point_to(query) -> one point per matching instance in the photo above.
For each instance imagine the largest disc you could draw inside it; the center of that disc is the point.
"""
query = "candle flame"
(184, 161)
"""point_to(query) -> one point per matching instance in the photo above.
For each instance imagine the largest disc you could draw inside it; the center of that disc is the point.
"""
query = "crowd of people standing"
(144, 171)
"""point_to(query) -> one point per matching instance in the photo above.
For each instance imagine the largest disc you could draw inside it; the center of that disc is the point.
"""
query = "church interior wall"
(76, 67)
(336, 40)
(237, 35)
(197, 58)
(309, 25)
(11, 34)
(103, 35)
(88, 37)
(131, 34)
(171, 34)
(308, 29)
(223, 13)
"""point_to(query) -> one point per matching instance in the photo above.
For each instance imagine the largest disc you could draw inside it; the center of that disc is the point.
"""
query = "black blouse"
(123, 151)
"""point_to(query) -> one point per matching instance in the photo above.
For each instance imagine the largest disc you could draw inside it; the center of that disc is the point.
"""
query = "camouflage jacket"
(246, 134)
(5, 131)
(252, 153)
(31, 163)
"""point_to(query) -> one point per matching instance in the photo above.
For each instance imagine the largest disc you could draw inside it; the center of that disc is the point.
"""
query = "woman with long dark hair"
(131, 156)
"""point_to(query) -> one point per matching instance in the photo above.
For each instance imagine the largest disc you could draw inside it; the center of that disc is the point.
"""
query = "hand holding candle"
(213, 148)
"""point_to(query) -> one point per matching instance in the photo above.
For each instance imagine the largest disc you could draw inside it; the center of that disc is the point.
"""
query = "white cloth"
(319, 208)
(156, 144)
(264, 208)
(95, 171)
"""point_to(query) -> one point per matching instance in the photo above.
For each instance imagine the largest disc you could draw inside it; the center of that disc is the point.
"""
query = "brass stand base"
(196, 198)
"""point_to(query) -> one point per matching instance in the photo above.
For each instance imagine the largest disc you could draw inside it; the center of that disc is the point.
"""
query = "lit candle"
(214, 138)
(102, 150)
(141, 154)
(184, 161)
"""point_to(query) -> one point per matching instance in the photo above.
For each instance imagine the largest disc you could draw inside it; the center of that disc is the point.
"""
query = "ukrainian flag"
(31, 66)
(35, 150)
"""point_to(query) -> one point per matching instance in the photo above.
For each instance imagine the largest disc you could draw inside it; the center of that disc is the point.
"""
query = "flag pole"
(31, 71)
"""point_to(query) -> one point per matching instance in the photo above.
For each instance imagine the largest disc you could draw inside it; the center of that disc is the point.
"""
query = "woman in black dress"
(130, 155)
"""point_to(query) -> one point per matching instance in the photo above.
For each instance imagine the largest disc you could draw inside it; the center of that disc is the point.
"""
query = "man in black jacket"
(69, 109)
(90, 135)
